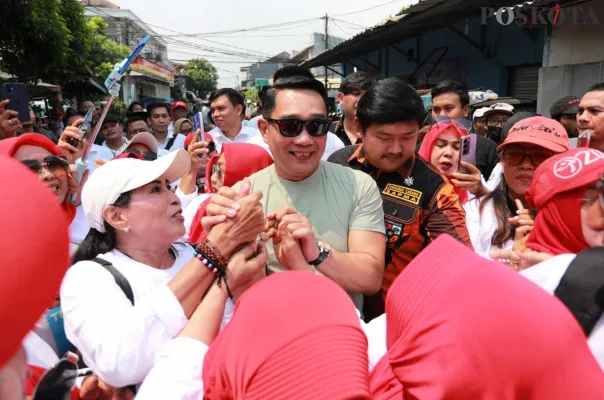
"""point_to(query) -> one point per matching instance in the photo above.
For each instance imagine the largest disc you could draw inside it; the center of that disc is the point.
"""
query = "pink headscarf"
(463, 327)
(425, 150)
(293, 335)
(10, 146)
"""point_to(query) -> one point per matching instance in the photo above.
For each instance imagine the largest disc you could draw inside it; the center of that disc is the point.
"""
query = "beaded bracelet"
(209, 259)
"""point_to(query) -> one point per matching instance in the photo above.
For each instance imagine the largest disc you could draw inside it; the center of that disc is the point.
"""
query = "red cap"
(180, 104)
(539, 131)
(565, 172)
(206, 136)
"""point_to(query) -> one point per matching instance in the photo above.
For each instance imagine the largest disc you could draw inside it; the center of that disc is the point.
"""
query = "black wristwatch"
(323, 254)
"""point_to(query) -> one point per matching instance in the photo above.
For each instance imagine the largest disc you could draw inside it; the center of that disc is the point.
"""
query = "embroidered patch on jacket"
(403, 193)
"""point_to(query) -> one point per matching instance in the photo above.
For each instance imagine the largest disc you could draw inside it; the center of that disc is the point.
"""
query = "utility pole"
(326, 43)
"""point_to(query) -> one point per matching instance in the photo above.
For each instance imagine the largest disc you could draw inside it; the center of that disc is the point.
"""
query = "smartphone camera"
(211, 147)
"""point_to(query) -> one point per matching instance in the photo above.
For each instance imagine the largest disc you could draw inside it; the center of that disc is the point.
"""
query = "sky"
(204, 24)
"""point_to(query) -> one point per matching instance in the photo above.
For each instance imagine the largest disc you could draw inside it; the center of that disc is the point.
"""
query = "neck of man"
(160, 136)
(351, 130)
(147, 253)
(293, 177)
(232, 133)
(116, 143)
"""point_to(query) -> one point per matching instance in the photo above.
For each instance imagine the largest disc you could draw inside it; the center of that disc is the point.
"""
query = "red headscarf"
(478, 330)
(293, 335)
(240, 161)
(34, 254)
(425, 150)
(10, 146)
(556, 191)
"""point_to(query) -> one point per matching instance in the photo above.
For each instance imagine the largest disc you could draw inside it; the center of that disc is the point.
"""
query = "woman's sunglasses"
(461, 124)
(51, 163)
(292, 127)
(146, 155)
(513, 157)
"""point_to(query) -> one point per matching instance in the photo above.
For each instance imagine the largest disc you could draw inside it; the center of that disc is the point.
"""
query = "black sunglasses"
(51, 163)
(292, 127)
(146, 155)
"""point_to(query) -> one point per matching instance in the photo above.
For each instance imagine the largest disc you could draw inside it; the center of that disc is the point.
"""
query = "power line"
(367, 9)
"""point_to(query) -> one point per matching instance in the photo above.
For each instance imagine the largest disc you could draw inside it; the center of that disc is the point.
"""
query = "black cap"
(565, 105)
(112, 118)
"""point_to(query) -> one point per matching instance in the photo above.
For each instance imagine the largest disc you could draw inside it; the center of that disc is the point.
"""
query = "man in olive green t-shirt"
(333, 214)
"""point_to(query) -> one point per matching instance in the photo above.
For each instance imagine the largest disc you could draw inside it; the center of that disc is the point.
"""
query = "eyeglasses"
(217, 171)
(497, 121)
(51, 163)
(513, 157)
(146, 155)
(292, 127)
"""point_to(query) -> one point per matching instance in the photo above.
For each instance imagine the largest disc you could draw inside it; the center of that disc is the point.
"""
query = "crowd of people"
(394, 253)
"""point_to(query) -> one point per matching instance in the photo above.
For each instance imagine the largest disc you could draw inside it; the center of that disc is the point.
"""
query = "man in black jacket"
(451, 99)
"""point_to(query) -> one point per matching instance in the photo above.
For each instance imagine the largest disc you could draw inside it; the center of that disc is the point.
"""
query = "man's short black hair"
(355, 82)
(153, 106)
(451, 86)
(289, 71)
(71, 112)
(389, 101)
(293, 83)
(132, 119)
(596, 88)
(235, 98)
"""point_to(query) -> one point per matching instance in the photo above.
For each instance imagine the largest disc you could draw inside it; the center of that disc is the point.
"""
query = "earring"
(126, 229)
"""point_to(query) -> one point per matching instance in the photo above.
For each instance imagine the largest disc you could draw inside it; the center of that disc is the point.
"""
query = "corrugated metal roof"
(422, 16)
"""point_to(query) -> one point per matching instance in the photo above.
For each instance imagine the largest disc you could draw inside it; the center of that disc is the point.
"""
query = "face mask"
(494, 133)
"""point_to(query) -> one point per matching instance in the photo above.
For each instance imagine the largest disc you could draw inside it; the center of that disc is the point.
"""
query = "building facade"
(150, 76)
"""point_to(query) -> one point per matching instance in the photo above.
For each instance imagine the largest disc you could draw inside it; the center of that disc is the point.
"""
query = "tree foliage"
(204, 76)
(105, 53)
(251, 95)
(52, 40)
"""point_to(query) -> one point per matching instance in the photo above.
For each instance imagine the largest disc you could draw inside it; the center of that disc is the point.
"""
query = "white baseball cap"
(123, 175)
(479, 113)
(144, 138)
(499, 108)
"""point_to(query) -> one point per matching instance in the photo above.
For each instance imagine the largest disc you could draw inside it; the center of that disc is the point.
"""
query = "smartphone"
(19, 98)
(211, 145)
(467, 151)
(85, 130)
(581, 141)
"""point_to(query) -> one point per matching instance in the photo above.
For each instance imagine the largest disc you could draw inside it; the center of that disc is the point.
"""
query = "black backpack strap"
(171, 141)
(120, 279)
(582, 287)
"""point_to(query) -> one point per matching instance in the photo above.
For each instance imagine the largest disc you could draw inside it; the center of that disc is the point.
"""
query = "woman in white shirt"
(135, 222)
(492, 219)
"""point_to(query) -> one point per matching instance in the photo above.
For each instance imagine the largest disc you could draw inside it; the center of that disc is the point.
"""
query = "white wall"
(578, 43)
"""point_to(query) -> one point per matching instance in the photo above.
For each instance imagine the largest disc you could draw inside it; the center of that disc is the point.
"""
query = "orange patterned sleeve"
(446, 215)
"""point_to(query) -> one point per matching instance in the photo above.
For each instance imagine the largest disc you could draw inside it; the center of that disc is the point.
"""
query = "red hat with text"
(539, 131)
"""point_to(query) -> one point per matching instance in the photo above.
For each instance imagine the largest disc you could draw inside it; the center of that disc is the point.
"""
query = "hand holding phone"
(18, 98)
(467, 152)
(85, 130)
